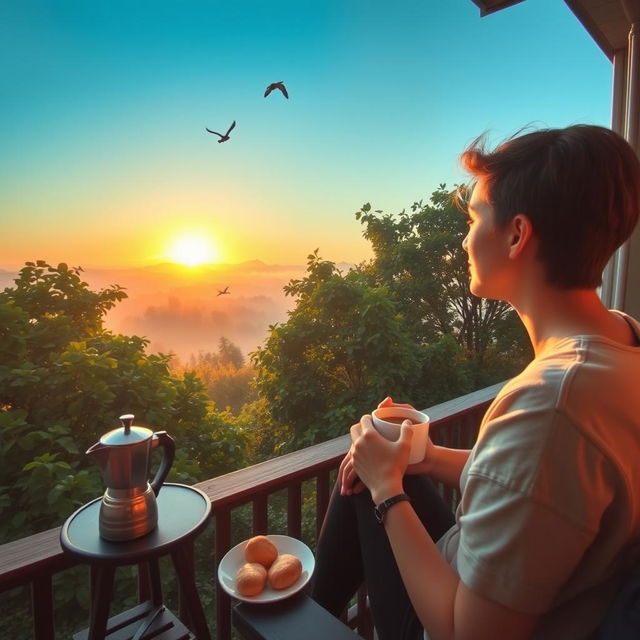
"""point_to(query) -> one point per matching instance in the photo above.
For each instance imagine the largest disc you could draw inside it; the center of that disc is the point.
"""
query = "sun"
(192, 249)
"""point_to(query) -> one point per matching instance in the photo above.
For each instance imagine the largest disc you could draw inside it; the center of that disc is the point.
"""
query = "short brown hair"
(580, 186)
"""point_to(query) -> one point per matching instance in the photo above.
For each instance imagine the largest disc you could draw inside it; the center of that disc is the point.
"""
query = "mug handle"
(164, 440)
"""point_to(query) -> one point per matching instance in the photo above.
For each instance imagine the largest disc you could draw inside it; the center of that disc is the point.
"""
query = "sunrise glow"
(192, 249)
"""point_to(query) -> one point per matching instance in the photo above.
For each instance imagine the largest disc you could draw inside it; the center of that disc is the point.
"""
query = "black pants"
(353, 548)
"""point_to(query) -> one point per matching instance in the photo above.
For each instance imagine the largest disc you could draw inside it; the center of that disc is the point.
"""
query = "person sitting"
(548, 521)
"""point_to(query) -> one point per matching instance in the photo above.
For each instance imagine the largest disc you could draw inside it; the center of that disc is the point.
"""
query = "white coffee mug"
(387, 421)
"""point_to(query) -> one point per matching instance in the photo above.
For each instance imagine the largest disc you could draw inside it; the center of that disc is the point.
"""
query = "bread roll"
(260, 549)
(285, 571)
(251, 579)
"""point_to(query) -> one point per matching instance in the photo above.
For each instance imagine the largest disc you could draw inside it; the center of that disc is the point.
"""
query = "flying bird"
(277, 85)
(225, 290)
(225, 137)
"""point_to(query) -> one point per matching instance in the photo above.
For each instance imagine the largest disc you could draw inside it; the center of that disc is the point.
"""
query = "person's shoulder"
(584, 393)
(574, 374)
(536, 388)
(517, 427)
(528, 442)
(523, 421)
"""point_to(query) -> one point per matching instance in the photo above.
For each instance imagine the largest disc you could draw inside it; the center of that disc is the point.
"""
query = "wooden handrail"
(35, 559)
(238, 487)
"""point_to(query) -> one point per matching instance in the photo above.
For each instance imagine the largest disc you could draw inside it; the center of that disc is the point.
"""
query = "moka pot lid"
(126, 435)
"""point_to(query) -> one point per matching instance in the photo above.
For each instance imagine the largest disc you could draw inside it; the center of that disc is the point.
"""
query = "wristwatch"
(381, 510)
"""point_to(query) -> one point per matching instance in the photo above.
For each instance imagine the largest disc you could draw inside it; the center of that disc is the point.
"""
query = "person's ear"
(520, 234)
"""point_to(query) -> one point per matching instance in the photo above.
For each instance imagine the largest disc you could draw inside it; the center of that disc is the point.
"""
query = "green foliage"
(419, 257)
(404, 324)
(227, 379)
(64, 380)
(267, 438)
(344, 345)
(444, 372)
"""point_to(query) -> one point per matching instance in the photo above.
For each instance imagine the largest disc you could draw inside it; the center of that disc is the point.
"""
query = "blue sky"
(103, 108)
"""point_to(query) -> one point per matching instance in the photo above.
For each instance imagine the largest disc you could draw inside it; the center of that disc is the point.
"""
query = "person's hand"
(424, 466)
(349, 482)
(388, 402)
(378, 462)
(347, 478)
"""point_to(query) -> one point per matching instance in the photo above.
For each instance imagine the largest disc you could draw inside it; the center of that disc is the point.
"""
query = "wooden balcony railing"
(35, 560)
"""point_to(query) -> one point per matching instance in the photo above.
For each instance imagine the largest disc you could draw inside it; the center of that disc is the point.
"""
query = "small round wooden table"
(183, 513)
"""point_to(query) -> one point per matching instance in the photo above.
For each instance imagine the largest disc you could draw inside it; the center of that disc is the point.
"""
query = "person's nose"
(465, 243)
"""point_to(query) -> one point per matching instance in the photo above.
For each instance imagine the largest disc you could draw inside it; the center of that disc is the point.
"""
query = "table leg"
(187, 551)
(186, 577)
(144, 582)
(102, 594)
(156, 585)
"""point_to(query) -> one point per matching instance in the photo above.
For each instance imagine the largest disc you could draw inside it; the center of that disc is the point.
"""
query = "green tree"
(230, 353)
(419, 257)
(343, 347)
(224, 374)
(64, 380)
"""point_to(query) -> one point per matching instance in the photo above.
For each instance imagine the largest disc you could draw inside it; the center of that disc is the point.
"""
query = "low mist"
(180, 311)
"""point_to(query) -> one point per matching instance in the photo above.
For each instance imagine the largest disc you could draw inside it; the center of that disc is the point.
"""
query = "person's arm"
(447, 609)
(442, 464)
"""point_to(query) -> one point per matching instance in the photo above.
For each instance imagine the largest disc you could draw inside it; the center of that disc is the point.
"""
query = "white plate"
(234, 559)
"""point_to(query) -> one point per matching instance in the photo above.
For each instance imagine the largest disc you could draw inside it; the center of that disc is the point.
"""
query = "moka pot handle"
(164, 440)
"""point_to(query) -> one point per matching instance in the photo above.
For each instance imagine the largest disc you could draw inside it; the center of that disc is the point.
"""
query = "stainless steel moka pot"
(129, 509)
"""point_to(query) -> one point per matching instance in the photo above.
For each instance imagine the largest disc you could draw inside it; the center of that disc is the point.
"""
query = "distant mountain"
(257, 265)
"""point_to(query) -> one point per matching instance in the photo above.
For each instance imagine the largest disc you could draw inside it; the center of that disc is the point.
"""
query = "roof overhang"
(605, 20)
(490, 6)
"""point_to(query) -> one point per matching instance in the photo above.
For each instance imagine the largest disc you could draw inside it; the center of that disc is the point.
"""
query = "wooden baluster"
(42, 604)
(260, 514)
(223, 601)
(323, 493)
(294, 510)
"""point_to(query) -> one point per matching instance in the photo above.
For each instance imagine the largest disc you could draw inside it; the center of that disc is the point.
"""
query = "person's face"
(487, 246)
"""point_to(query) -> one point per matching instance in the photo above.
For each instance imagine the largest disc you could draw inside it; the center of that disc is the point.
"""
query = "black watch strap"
(381, 510)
